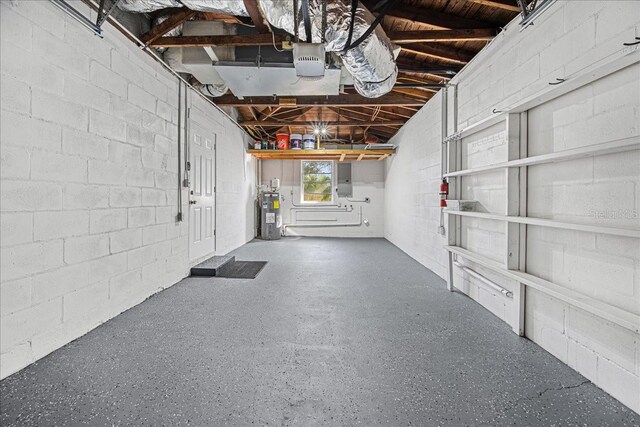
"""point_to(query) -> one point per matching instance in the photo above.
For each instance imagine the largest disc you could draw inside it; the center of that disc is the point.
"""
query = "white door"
(202, 193)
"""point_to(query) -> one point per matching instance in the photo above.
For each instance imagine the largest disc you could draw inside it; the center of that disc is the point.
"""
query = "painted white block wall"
(89, 180)
(568, 37)
(367, 178)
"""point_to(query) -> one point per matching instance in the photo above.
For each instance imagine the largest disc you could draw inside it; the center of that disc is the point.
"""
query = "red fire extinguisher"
(444, 192)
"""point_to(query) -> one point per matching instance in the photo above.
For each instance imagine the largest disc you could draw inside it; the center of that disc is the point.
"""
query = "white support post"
(515, 205)
(454, 160)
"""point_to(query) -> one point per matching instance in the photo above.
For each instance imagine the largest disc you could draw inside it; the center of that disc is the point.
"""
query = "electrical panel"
(345, 187)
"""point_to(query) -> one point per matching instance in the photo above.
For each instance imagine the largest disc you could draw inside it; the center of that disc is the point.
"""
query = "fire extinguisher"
(444, 192)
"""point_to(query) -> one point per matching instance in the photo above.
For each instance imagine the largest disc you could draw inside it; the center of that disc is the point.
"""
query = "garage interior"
(320, 212)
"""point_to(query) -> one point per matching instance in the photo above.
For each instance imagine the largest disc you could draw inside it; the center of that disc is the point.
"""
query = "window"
(317, 181)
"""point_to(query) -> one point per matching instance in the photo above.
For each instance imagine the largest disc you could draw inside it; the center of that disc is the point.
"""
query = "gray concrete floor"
(332, 332)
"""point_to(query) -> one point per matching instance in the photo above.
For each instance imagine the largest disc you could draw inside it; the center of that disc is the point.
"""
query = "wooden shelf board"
(340, 155)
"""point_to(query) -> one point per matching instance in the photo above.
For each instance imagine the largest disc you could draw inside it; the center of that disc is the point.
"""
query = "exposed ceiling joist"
(407, 65)
(427, 36)
(382, 114)
(167, 25)
(404, 78)
(428, 58)
(270, 113)
(509, 5)
(270, 123)
(253, 113)
(351, 99)
(443, 53)
(435, 18)
(414, 93)
(224, 40)
(214, 16)
(256, 16)
(365, 128)
(267, 39)
(290, 112)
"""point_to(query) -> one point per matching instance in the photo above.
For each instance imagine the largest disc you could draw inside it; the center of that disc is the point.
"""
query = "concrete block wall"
(367, 178)
(567, 38)
(89, 180)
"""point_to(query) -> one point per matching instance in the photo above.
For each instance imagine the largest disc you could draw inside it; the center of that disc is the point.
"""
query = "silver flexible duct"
(213, 90)
(371, 63)
(230, 7)
(144, 6)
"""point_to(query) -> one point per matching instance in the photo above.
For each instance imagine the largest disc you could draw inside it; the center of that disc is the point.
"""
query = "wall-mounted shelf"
(512, 124)
(627, 320)
(543, 222)
(340, 155)
(617, 146)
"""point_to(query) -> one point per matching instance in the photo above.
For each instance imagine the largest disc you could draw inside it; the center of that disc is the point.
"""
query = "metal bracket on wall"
(75, 14)
(530, 9)
(103, 14)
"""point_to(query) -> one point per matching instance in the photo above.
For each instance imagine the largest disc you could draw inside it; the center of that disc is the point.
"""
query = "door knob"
(192, 202)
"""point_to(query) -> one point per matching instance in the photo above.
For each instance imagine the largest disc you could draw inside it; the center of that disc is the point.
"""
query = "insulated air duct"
(230, 7)
(144, 6)
(371, 63)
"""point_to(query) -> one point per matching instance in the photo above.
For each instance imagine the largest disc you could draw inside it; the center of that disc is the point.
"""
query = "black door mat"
(241, 269)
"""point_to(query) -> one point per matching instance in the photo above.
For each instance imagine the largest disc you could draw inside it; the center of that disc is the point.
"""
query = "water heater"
(270, 218)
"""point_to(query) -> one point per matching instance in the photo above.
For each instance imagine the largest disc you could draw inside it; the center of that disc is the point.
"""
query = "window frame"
(333, 183)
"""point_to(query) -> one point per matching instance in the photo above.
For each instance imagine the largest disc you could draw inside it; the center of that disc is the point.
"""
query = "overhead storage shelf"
(340, 155)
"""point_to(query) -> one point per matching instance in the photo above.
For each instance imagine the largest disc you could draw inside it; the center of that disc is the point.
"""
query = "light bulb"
(316, 131)
(324, 131)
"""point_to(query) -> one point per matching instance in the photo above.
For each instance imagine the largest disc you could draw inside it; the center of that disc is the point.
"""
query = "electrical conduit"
(346, 224)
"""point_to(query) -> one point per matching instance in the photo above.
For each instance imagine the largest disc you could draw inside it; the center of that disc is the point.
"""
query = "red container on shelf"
(283, 141)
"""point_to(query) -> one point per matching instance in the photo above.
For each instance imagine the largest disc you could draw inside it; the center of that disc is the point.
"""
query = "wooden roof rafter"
(332, 123)
(265, 39)
(434, 18)
(167, 25)
(509, 5)
(437, 38)
(442, 53)
(426, 36)
(349, 99)
(256, 16)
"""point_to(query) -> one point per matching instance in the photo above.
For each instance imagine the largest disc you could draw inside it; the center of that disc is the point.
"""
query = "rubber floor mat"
(241, 269)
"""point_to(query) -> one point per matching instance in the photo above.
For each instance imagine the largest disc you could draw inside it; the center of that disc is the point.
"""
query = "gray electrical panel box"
(345, 188)
(270, 218)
